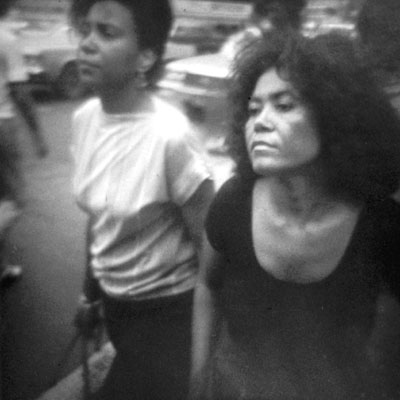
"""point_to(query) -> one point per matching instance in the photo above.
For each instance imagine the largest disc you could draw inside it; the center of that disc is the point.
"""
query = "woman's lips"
(87, 65)
(262, 145)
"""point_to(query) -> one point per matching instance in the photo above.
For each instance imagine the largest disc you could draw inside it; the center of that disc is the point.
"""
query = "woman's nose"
(263, 122)
(87, 43)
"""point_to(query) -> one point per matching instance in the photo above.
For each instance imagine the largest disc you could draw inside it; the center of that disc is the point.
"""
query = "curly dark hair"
(359, 130)
(153, 20)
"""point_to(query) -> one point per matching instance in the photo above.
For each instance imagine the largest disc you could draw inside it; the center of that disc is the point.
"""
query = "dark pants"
(10, 174)
(152, 341)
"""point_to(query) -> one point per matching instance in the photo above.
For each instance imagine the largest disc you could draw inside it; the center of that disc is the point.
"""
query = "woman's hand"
(88, 317)
(9, 212)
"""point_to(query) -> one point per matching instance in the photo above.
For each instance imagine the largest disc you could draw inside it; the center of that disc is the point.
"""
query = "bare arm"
(87, 317)
(91, 288)
(205, 318)
(206, 321)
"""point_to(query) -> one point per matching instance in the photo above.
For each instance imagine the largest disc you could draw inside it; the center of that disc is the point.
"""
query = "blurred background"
(48, 240)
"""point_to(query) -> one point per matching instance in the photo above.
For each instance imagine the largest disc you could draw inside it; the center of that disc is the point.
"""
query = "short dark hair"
(358, 129)
(5, 6)
(378, 25)
(153, 20)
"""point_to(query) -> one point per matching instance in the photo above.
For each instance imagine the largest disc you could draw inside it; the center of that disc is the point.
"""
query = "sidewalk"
(71, 387)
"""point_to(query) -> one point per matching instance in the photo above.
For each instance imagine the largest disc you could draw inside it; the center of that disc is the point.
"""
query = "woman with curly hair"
(304, 238)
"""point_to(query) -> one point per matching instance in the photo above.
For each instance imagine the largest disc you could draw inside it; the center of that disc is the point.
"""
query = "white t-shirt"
(12, 69)
(133, 172)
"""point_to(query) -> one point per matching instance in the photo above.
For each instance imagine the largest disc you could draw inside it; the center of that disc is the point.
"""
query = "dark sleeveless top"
(338, 338)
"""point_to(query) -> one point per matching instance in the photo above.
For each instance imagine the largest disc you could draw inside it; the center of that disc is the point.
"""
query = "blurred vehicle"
(205, 25)
(313, 28)
(50, 49)
(202, 36)
(199, 85)
(50, 57)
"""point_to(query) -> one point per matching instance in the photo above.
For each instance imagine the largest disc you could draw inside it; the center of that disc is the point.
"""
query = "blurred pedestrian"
(15, 96)
(305, 237)
(146, 189)
(378, 26)
(9, 172)
(9, 273)
(10, 203)
(9, 212)
(266, 16)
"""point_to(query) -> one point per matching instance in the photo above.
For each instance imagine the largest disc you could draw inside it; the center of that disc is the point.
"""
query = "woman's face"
(108, 51)
(281, 134)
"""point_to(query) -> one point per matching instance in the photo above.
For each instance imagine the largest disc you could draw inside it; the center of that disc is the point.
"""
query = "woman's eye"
(253, 109)
(285, 106)
(108, 31)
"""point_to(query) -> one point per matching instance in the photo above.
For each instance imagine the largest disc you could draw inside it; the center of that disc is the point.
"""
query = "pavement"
(48, 241)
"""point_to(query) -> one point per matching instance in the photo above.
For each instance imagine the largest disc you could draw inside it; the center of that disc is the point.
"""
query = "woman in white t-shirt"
(145, 187)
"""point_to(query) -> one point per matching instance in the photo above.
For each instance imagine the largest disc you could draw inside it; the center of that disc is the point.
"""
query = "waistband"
(121, 308)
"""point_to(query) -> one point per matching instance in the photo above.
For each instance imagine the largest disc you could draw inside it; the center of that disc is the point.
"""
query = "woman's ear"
(146, 60)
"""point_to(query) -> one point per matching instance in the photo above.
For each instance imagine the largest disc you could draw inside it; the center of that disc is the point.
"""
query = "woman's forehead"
(271, 82)
(109, 11)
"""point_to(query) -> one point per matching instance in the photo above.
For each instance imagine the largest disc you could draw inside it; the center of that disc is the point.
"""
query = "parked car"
(313, 28)
(199, 85)
(202, 36)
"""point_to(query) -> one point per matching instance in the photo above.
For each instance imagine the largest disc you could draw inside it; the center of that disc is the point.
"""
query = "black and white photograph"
(199, 199)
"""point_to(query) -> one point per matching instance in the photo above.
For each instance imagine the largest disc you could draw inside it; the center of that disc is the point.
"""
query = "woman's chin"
(88, 78)
(89, 85)
(266, 169)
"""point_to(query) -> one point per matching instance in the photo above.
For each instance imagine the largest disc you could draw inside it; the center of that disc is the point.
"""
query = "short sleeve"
(220, 215)
(186, 167)
(79, 131)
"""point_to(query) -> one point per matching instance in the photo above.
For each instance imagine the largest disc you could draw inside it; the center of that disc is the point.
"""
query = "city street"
(48, 242)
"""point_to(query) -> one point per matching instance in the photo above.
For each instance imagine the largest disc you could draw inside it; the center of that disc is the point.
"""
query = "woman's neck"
(126, 99)
(301, 196)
